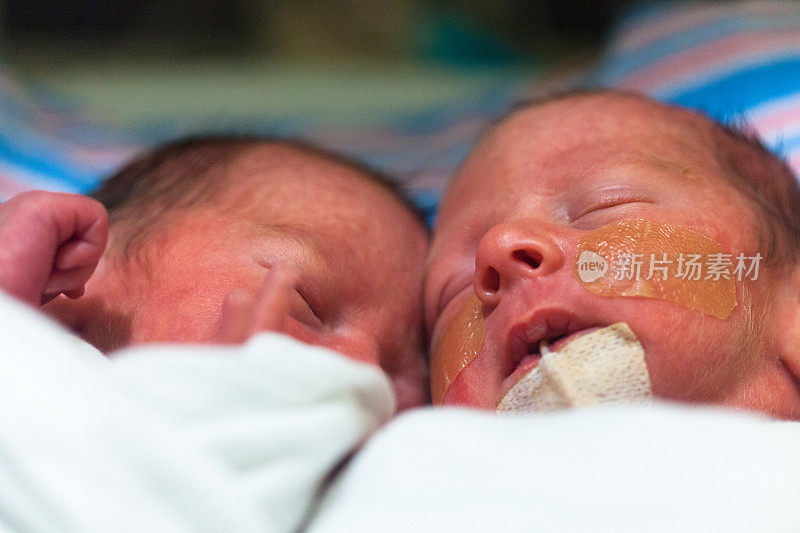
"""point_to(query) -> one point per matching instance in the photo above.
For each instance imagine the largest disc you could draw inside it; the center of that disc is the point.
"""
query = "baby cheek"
(689, 356)
(177, 314)
(692, 308)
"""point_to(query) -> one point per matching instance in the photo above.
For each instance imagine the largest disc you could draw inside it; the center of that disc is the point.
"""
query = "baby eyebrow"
(681, 171)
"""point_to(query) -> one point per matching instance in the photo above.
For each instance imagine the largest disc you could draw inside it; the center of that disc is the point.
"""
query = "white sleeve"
(615, 469)
(172, 438)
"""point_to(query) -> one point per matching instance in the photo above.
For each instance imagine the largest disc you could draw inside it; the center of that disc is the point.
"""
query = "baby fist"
(50, 243)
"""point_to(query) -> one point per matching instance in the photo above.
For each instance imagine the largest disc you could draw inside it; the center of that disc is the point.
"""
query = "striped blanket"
(738, 62)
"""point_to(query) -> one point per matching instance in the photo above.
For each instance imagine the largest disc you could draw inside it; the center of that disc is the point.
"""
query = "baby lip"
(524, 337)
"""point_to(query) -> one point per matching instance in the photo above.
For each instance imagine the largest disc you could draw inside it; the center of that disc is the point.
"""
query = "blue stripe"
(615, 68)
(729, 97)
(784, 146)
(74, 177)
(428, 203)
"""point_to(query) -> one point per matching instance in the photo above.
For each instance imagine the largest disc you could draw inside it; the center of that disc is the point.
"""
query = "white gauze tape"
(605, 366)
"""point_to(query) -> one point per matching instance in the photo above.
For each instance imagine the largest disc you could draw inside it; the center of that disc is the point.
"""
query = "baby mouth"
(590, 366)
(552, 342)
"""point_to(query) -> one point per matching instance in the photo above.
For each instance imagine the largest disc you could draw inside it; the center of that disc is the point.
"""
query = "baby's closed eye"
(579, 203)
(303, 311)
(609, 209)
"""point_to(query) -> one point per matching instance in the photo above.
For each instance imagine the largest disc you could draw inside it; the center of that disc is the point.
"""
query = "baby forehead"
(537, 150)
(318, 192)
(305, 174)
(589, 132)
(583, 118)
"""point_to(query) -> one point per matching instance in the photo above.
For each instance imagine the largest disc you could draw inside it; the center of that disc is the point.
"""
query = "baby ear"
(786, 321)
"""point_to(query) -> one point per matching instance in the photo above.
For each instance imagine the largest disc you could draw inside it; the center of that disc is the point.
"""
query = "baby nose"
(508, 253)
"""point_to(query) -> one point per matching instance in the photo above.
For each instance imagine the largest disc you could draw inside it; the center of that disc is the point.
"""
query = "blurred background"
(340, 61)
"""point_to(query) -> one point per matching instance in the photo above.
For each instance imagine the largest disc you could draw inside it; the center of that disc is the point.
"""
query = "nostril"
(491, 280)
(530, 257)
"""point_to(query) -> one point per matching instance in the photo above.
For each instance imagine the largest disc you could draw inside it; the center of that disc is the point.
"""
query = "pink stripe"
(10, 186)
(695, 62)
(646, 33)
(103, 156)
(778, 119)
(794, 163)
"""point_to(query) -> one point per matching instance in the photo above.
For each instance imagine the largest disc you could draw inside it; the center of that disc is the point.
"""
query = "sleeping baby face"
(612, 176)
(355, 250)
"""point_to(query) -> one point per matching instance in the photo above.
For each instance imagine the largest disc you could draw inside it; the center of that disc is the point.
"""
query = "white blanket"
(239, 439)
(172, 438)
(618, 469)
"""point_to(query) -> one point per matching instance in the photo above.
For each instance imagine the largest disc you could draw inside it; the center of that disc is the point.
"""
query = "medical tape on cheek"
(458, 346)
(646, 259)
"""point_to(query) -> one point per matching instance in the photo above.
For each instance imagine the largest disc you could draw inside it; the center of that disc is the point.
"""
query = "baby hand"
(50, 243)
(244, 315)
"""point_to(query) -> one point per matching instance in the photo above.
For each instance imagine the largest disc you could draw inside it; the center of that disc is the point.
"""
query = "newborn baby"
(212, 240)
(586, 179)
